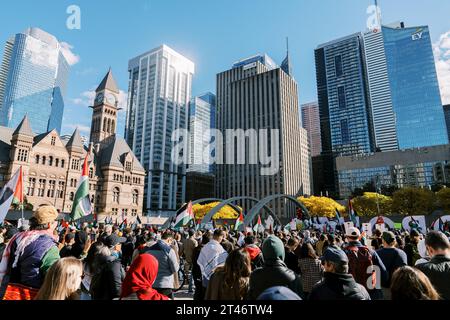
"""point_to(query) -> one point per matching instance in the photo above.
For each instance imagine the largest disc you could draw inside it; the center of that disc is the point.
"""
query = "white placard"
(367, 228)
(348, 225)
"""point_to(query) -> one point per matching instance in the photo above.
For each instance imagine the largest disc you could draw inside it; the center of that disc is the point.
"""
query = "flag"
(299, 213)
(185, 217)
(258, 225)
(138, 220)
(352, 214)
(11, 193)
(239, 222)
(338, 215)
(82, 204)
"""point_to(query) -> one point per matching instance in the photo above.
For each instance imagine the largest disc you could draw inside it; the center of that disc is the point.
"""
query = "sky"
(212, 33)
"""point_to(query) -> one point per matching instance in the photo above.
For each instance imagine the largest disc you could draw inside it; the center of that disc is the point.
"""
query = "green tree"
(367, 205)
(443, 199)
(413, 201)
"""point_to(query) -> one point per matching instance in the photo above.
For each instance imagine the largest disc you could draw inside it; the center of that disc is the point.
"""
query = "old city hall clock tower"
(105, 108)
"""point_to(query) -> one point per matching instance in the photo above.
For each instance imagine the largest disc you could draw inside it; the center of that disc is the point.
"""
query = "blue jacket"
(168, 264)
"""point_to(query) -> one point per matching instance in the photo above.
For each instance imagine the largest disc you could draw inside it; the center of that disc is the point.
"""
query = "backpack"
(359, 261)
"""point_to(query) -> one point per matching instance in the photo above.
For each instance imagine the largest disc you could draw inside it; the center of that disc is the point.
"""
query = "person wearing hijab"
(138, 283)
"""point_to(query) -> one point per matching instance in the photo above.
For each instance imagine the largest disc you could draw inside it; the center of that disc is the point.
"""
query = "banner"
(348, 225)
(386, 222)
(367, 228)
(415, 222)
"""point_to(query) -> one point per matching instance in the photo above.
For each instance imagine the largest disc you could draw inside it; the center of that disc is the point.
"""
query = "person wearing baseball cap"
(29, 255)
(337, 283)
(360, 259)
(392, 257)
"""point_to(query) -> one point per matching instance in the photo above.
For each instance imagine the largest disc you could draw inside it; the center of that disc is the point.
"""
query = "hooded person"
(274, 272)
(28, 256)
(256, 256)
(138, 283)
(279, 293)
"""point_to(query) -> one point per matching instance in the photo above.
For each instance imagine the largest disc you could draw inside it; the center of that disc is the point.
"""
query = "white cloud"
(71, 57)
(442, 55)
(123, 100)
(85, 99)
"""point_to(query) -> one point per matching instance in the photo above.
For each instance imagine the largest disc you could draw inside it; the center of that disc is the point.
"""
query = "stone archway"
(263, 203)
(230, 202)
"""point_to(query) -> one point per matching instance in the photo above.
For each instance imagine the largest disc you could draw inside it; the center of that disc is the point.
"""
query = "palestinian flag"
(185, 217)
(258, 225)
(239, 222)
(82, 204)
(352, 214)
(338, 215)
(11, 193)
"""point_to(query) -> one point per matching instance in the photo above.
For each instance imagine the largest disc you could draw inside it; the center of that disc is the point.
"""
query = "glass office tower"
(35, 83)
(202, 114)
(414, 86)
(343, 97)
(160, 85)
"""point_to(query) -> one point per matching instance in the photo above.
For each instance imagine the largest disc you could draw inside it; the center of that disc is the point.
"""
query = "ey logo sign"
(417, 35)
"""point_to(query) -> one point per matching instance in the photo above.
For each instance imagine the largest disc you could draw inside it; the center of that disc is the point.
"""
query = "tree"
(367, 204)
(368, 187)
(443, 198)
(227, 212)
(413, 201)
(322, 206)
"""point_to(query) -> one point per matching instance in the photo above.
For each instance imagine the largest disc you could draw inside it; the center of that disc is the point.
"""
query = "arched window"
(91, 173)
(71, 196)
(62, 163)
(50, 161)
(37, 159)
(135, 197)
(116, 195)
(108, 126)
(44, 160)
(104, 125)
(113, 125)
(57, 163)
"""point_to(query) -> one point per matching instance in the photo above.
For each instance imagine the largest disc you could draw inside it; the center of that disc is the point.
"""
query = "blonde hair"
(62, 281)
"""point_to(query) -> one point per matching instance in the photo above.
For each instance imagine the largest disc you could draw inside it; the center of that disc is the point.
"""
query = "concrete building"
(447, 118)
(311, 122)
(159, 93)
(421, 167)
(52, 166)
(252, 96)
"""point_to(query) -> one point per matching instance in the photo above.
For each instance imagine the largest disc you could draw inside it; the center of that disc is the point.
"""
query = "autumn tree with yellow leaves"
(201, 210)
(367, 205)
(322, 206)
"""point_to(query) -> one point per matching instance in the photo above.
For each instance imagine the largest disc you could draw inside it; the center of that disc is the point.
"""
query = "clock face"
(111, 99)
(99, 98)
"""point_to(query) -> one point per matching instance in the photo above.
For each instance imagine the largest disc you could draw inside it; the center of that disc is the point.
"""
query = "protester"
(69, 240)
(29, 255)
(279, 293)
(138, 283)
(109, 274)
(167, 258)
(274, 272)
(62, 281)
(90, 268)
(361, 262)
(128, 247)
(438, 268)
(424, 257)
(412, 284)
(8, 233)
(291, 259)
(320, 244)
(256, 256)
(211, 256)
(411, 249)
(200, 291)
(377, 241)
(231, 281)
(392, 258)
(189, 245)
(310, 268)
(338, 283)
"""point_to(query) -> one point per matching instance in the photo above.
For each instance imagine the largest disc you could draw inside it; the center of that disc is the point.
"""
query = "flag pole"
(23, 198)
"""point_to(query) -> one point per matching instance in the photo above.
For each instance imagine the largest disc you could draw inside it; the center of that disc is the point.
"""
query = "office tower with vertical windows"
(202, 118)
(256, 94)
(311, 122)
(404, 89)
(343, 97)
(447, 118)
(33, 80)
(160, 85)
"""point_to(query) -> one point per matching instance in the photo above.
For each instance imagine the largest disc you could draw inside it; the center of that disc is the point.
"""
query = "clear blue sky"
(212, 33)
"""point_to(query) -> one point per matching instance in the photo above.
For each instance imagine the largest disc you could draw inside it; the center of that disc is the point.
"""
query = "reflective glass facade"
(342, 84)
(414, 87)
(202, 114)
(36, 82)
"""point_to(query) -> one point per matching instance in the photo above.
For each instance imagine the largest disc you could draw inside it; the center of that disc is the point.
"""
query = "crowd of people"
(106, 262)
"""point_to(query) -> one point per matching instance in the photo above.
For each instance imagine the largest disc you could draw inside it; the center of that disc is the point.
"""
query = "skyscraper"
(202, 117)
(404, 90)
(311, 122)
(256, 95)
(447, 118)
(159, 92)
(343, 97)
(33, 80)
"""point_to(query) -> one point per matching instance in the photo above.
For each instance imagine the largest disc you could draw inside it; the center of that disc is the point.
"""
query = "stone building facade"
(52, 167)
